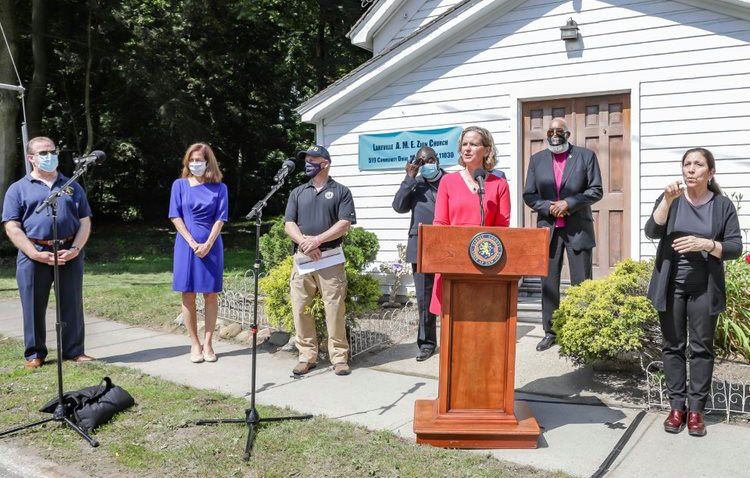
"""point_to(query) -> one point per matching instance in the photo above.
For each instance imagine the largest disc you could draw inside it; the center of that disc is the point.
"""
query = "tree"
(8, 99)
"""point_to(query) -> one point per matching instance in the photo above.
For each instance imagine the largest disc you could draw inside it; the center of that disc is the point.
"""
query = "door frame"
(529, 92)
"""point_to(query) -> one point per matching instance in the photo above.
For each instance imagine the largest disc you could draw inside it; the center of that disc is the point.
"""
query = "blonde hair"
(213, 173)
(490, 161)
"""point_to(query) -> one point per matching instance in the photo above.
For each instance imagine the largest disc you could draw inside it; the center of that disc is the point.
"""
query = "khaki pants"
(331, 282)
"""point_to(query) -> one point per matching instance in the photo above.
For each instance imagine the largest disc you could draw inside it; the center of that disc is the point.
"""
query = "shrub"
(275, 245)
(610, 317)
(360, 247)
(363, 290)
(733, 328)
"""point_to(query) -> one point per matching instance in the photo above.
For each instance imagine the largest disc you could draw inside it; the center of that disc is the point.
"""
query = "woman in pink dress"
(457, 201)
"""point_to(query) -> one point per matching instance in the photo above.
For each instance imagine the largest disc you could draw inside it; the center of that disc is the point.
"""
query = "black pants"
(427, 336)
(580, 270)
(687, 315)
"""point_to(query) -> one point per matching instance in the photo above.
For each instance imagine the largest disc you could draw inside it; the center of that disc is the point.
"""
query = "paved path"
(381, 391)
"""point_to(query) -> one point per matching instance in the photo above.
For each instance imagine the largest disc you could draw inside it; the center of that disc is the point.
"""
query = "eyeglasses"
(45, 153)
(555, 132)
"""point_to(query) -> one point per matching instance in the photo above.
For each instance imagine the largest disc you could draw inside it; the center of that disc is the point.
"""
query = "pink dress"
(457, 205)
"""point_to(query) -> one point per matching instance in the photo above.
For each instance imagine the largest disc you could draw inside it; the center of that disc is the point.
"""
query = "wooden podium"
(475, 407)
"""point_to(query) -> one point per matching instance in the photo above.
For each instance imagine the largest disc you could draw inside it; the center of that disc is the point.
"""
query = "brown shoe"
(695, 424)
(675, 422)
(303, 367)
(34, 363)
(81, 359)
(341, 368)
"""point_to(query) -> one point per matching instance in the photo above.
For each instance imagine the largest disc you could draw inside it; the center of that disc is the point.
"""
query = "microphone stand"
(63, 410)
(252, 417)
(480, 192)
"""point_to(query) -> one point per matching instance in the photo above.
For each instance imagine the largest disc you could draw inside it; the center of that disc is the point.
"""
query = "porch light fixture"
(569, 32)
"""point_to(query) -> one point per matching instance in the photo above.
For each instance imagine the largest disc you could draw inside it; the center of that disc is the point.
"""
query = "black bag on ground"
(93, 406)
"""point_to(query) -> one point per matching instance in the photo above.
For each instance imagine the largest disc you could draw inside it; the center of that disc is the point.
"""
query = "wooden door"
(602, 124)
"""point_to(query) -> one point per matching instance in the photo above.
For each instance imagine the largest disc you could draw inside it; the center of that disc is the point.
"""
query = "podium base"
(466, 429)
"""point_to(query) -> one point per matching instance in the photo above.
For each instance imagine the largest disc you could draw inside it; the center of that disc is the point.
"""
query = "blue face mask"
(429, 171)
(48, 162)
(312, 169)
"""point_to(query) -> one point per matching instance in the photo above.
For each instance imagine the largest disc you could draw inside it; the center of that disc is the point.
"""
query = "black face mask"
(312, 169)
(557, 140)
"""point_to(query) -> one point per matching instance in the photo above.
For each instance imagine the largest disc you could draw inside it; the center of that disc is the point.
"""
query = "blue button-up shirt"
(26, 194)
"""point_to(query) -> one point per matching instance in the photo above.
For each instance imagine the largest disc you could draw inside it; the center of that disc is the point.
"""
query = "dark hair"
(713, 186)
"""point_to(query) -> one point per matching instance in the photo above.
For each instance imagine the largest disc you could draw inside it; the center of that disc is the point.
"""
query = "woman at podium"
(457, 202)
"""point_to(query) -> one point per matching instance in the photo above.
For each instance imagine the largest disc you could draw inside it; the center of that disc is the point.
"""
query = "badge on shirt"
(328, 194)
(68, 190)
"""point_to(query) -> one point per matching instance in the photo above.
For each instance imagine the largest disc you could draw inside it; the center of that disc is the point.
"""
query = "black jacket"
(418, 196)
(725, 228)
(581, 187)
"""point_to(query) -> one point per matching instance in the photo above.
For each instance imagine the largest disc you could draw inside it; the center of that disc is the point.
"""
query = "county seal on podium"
(486, 249)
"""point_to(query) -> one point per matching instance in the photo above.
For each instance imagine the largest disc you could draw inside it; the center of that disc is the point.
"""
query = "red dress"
(457, 205)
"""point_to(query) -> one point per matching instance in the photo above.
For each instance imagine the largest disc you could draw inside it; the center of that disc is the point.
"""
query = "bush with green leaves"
(733, 328)
(275, 245)
(608, 318)
(363, 290)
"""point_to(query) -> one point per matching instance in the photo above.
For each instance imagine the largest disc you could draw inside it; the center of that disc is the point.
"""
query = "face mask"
(429, 171)
(47, 162)
(312, 169)
(557, 143)
(197, 168)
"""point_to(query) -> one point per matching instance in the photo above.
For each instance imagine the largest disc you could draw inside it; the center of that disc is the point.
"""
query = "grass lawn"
(128, 272)
(154, 438)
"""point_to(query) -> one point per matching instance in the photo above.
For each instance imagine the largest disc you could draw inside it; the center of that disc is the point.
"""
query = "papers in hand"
(328, 258)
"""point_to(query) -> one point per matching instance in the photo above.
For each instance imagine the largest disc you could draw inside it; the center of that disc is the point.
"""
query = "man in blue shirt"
(31, 233)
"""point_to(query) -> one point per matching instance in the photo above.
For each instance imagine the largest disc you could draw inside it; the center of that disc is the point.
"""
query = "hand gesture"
(67, 254)
(672, 191)
(202, 250)
(46, 257)
(412, 169)
(691, 244)
(309, 243)
(314, 254)
(558, 208)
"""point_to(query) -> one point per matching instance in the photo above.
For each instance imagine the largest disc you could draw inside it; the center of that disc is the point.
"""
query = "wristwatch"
(76, 248)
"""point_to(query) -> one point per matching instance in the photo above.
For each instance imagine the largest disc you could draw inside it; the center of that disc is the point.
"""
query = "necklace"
(473, 187)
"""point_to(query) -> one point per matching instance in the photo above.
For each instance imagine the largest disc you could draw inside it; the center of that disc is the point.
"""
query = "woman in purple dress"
(198, 208)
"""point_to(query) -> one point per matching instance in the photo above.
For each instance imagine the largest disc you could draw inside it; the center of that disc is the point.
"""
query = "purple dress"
(199, 207)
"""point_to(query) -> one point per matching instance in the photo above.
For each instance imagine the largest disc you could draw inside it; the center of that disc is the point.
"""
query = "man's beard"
(558, 149)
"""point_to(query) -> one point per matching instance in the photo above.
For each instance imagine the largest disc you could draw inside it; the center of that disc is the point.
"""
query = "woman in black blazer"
(697, 228)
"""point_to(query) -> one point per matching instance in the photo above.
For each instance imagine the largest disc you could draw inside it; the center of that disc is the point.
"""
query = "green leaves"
(608, 318)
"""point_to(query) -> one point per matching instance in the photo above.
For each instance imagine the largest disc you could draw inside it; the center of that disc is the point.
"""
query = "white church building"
(640, 82)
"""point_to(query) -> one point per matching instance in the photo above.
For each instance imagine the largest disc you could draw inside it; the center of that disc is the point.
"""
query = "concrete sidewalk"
(582, 419)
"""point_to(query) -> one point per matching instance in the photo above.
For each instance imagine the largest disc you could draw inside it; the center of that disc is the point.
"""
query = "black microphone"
(286, 168)
(479, 176)
(90, 158)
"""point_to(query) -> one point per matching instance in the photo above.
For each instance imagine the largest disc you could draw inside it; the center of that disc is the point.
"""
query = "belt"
(49, 242)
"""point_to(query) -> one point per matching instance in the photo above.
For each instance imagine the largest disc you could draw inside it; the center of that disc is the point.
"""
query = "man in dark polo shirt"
(31, 233)
(319, 213)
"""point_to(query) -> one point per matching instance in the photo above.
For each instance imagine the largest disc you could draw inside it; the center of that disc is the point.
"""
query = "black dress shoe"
(424, 354)
(547, 342)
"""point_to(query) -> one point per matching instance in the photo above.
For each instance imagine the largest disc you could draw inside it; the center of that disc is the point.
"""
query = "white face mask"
(197, 168)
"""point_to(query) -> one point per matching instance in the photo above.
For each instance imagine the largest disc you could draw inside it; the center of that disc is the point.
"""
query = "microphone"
(286, 168)
(479, 176)
(90, 158)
